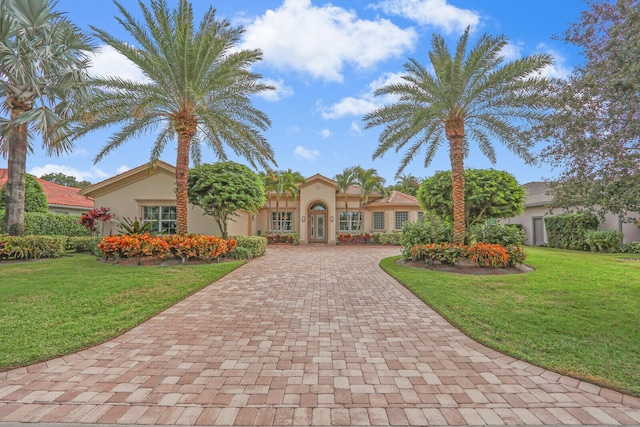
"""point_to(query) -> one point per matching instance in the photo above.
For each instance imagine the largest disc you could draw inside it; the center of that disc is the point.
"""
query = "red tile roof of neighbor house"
(57, 194)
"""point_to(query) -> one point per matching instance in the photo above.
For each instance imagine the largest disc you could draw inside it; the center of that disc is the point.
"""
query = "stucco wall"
(318, 191)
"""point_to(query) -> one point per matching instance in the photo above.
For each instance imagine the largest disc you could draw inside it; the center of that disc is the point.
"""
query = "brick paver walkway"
(308, 335)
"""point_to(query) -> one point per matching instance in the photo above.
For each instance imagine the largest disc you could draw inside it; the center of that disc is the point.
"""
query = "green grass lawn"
(54, 307)
(577, 314)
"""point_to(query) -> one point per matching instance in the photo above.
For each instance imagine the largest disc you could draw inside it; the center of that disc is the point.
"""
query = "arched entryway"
(317, 224)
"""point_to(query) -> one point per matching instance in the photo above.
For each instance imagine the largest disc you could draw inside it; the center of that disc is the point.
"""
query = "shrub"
(133, 226)
(603, 241)
(446, 253)
(630, 248)
(502, 235)
(516, 255)
(94, 220)
(488, 255)
(425, 231)
(393, 238)
(48, 224)
(256, 244)
(35, 200)
(355, 239)
(292, 238)
(28, 247)
(83, 243)
(241, 253)
(568, 231)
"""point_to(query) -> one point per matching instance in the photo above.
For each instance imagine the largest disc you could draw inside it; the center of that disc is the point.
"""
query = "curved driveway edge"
(306, 335)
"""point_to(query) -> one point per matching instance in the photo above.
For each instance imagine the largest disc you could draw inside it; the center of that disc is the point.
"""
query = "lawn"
(58, 306)
(578, 313)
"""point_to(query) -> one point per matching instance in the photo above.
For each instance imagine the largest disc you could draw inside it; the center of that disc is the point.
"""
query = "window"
(349, 221)
(378, 220)
(281, 221)
(163, 218)
(401, 218)
(420, 216)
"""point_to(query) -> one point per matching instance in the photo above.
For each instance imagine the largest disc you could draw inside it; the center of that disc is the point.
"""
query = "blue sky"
(326, 59)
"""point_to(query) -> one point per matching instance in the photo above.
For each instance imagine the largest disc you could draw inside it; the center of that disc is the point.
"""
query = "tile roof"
(395, 198)
(537, 193)
(57, 194)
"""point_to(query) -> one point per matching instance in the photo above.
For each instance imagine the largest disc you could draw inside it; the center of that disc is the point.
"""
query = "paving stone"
(305, 335)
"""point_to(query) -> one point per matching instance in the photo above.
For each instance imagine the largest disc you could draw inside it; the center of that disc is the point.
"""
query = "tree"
(34, 198)
(291, 182)
(407, 184)
(488, 194)
(42, 66)
(66, 180)
(370, 182)
(595, 128)
(282, 183)
(345, 180)
(470, 95)
(198, 90)
(222, 189)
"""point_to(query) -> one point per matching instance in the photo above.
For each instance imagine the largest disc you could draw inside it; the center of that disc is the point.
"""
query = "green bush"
(48, 224)
(603, 241)
(241, 253)
(32, 247)
(393, 238)
(34, 198)
(501, 235)
(630, 248)
(568, 231)
(425, 231)
(256, 244)
(83, 244)
(446, 253)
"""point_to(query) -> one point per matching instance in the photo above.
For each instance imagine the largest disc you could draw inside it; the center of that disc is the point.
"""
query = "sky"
(326, 59)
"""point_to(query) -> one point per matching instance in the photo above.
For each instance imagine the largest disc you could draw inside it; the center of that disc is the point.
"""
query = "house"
(317, 214)
(62, 200)
(536, 208)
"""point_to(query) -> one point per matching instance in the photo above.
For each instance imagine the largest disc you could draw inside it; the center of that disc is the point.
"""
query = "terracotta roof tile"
(395, 198)
(57, 194)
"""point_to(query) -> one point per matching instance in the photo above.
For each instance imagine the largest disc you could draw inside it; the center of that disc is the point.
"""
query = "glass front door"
(317, 224)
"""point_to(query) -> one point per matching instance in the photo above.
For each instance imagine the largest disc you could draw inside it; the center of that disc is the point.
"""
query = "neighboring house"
(317, 214)
(62, 200)
(536, 208)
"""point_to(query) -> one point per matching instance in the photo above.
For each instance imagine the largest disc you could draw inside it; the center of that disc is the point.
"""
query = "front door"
(318, 223)
(538, 231)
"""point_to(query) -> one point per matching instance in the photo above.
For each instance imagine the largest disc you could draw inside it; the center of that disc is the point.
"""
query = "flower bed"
(193, 246)
(483, 254)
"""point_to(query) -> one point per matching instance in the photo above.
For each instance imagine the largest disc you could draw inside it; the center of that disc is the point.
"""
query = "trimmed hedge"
(501, 235)
(84, 244)
(257, 245)
(32, 247)
(568, 231)
(48, 224)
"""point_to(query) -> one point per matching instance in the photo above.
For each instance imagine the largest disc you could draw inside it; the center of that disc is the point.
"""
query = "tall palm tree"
(43, 63)
(470, 95)
(198, 90)
(290, 184)
(270, 185)
(370, 182)
(345, 180)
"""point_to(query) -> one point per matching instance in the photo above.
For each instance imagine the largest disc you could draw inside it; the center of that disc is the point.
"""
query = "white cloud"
(437, 13)
(355, 128)
(320, 40)
(302, 153)
(362, 104)
(558, 69)
(282, 90)
(122, 169)
(325, 133)
(106, 61)
(512, 51)
(94, 174)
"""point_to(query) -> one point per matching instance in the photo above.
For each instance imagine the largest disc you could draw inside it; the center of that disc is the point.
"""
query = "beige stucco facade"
(536, 209)
(314, 214)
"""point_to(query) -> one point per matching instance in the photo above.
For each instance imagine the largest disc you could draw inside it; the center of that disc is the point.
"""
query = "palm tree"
(470, 95)
(291, 182)
(198, 90)
(345, 180)
(43, 63)
(270, 185)
(369, 182)
(408, 184)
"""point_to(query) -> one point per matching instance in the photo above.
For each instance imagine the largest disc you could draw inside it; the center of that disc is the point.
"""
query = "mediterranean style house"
(317, 214)
(536, 208)
(62, 200)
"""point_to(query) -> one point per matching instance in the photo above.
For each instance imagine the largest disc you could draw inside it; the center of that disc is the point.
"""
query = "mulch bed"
(465, 266)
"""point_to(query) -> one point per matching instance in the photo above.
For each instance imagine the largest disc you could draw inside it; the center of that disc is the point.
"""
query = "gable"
(129, 178)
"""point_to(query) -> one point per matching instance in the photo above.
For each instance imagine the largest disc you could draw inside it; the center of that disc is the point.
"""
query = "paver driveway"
(304, 335)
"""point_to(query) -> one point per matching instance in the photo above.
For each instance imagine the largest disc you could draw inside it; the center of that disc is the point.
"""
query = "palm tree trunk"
(455, 135)
(182, 178)
(17, 139)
